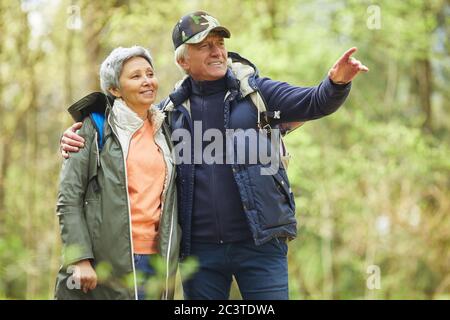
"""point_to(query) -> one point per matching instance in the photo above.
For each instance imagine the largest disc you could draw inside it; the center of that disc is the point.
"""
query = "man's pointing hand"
(346, 68)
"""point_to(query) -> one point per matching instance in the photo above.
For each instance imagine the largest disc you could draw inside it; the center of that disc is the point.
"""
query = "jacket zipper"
(213, 184)
(218, 220)
(166, 291)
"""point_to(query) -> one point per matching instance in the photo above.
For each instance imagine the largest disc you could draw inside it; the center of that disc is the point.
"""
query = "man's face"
(206, 60)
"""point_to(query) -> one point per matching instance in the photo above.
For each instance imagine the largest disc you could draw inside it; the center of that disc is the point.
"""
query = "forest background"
(371, 181)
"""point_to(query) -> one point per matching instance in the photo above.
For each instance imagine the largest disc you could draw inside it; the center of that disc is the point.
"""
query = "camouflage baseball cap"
(194, 27)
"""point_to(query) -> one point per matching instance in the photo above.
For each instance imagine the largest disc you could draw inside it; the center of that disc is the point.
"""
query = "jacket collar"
(206, 88)
(183, 89)
(126, 119)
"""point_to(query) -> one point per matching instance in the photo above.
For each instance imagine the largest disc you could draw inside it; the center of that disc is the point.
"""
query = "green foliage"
(348, 175)
(188, 267)
(13, 255)
(103, 270)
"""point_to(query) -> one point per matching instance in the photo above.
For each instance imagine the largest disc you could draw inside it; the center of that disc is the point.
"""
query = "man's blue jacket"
(266, 200)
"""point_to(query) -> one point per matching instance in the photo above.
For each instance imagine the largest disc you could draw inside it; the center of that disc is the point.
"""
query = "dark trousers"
(261, 272)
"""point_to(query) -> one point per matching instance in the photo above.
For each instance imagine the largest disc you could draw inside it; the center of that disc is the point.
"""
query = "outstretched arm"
(309, 103)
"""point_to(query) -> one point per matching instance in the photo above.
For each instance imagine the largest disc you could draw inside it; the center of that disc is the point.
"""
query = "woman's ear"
(115, 92)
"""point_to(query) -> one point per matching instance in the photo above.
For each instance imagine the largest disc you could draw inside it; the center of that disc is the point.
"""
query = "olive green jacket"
(95, 218)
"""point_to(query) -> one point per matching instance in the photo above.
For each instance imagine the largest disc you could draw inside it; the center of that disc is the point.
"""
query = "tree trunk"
(95, 15)
(2, 141)
(68, 87)
(424, 79)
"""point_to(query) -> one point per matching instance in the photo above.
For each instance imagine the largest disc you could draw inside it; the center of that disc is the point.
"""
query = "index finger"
(348, 54)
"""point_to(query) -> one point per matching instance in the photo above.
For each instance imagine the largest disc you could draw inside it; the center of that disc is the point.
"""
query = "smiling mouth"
(215, 64)
(148, 92)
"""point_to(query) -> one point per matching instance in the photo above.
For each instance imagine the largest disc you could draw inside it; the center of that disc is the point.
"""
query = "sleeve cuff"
(337, 85)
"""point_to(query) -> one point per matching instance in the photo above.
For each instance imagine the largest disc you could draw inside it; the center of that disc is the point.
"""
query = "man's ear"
(182, 62)
(115, 92)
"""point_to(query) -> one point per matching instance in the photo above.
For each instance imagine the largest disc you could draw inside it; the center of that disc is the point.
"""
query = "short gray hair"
(181, 53)
(111, 67)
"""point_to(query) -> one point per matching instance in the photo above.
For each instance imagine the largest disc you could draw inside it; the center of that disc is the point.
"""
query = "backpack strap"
(263, 114)
(98, 118)
(260, 105)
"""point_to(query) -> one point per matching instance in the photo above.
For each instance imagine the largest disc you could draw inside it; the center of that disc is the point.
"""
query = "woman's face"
(138, 84)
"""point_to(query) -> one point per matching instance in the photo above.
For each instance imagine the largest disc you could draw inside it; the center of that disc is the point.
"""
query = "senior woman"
(117, 200)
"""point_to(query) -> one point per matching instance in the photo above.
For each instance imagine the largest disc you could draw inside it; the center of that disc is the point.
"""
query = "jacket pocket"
(284, 186)
(272, 198)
